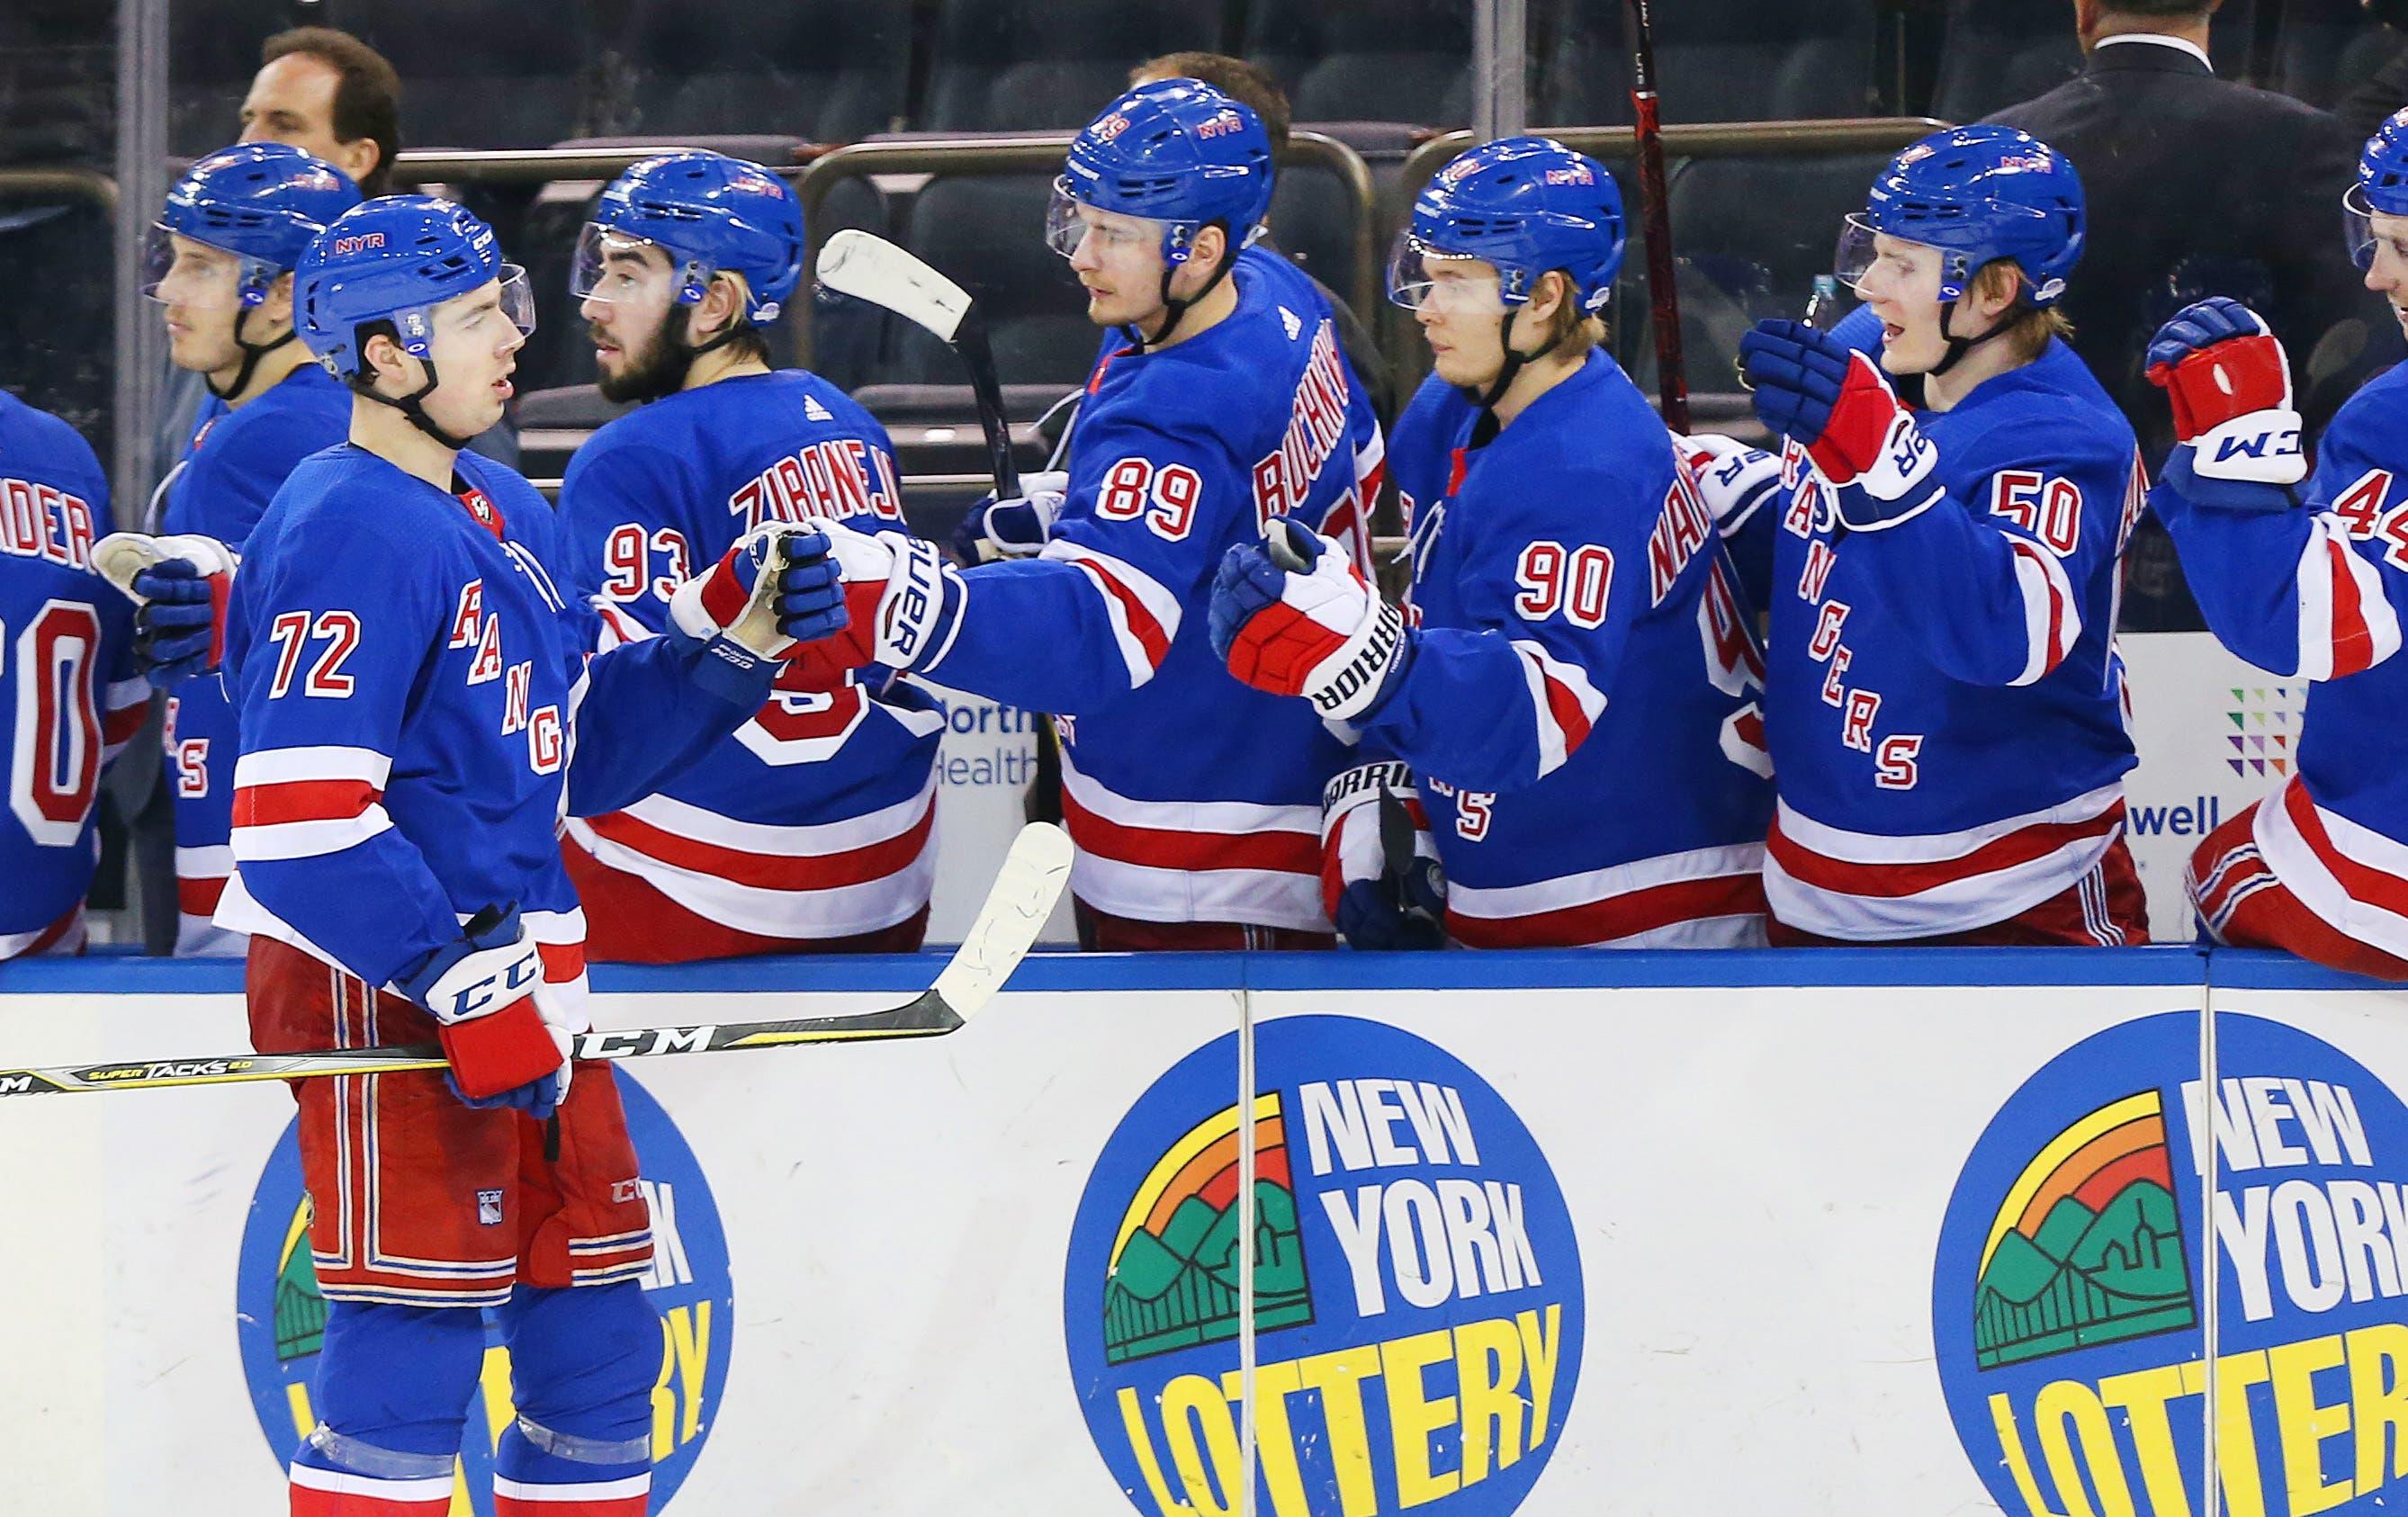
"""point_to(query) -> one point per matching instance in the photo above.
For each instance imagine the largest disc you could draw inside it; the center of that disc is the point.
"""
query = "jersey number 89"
(1167, 497)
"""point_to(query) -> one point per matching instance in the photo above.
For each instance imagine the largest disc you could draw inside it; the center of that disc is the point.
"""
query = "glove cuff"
(2251, 497)
(500, 1051)
(921, 610)
(2262, 447)
(1361, 785)
(1355, 679)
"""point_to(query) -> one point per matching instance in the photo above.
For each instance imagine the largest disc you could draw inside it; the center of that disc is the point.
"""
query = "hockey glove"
(1015, 528)
(2236, 431)
(903, 603)
(1294, 617)
(486, 994)
(1836, 404)
(181, 586)
(1381, 882)
(773, 589)
(1732, 479)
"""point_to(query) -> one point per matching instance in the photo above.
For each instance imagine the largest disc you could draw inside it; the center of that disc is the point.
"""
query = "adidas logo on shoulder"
(814, 411)
(1290, 320)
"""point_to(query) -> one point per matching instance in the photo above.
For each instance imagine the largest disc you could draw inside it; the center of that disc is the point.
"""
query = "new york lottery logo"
(1416, 1285)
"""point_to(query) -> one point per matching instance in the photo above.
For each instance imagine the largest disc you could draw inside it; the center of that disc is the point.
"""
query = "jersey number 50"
(56, 769)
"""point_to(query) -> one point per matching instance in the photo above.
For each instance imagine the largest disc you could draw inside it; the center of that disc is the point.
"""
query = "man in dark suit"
(2198, 186)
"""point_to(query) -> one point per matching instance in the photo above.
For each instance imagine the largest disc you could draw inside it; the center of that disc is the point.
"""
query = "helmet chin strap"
(1484, 430)
(1176, 306)
(1958, 346)
(251, 353)
(412, 405)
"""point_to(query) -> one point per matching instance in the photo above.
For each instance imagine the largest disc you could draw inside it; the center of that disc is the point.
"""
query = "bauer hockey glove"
(1836, 404)
(903, 604)
(2237, 444)
(485, 992)
(1294, 617)
(1014, 528)
(1381, 882)
(773, 589)
(181, 586)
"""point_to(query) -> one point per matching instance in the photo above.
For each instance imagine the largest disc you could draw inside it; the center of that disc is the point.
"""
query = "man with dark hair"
(1252, 85)
(331, 95)
(2198, 186)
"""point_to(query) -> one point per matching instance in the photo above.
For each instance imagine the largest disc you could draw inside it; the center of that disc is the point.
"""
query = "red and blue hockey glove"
(1836, 404)
(1294, 617)
(182, 585)
(2236, 431)
(773, 589)
(903, 603)
(1015, 528)
(1381, 882)
(485, 992)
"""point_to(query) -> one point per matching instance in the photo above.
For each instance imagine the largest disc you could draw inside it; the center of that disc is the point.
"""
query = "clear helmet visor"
(179, 271)
(1109, 236)
(518, 300)
(1870, 271)
(2358, 232)
(1421, 278)
(611, 265)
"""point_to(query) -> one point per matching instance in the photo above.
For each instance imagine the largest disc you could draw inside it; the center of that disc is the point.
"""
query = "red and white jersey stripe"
(201, 875)
(65, 936)
(127, 704)
(298, 803)
(2352, 877)
(2346, 622)
(1144, 615)
(803, 882)
(1708, 897)
(2052, 615)
(1863, 886)
(1193, 861)
(1564, 704)
(337, 1493)
(628, 1496)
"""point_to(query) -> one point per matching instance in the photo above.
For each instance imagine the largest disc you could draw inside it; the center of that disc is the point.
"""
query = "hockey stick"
(871, 268)
(1030, 881)
(1671, 381)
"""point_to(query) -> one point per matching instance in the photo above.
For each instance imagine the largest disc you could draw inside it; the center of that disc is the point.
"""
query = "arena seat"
(829, 70)
(1716, 61)
(1030, 65)
(1409, 60)
(987, 232)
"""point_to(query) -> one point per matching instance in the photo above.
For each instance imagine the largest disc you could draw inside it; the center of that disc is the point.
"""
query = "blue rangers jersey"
(229, 472)
(1190, 797)
(419, 709)
(1581, 712)
(2320, 594)
(816, 819)
(1945, 703)
(69, 698)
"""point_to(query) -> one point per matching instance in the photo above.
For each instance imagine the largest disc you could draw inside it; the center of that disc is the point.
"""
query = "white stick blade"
(1026, 888)
(853, 262)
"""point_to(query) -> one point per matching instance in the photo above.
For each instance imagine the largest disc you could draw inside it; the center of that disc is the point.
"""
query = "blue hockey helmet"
(2381, 190)
(395, 259)
(1177, 152)
(711, 214)
(1527, 205)
(1978, 194)
(262, 202)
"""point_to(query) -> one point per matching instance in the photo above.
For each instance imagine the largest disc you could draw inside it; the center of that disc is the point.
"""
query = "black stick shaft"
(1671, 379)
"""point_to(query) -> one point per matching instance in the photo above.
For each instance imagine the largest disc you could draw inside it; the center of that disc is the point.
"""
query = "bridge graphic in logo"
(2087, 1248)
(1173, 1281)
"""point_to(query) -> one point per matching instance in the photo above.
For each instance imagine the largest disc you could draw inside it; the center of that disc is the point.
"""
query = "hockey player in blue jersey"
(70, 695)
(1944, 702)
(221, 259)
(1565, 706)
(419, 705)
(1194, 802)
(814, 827)
(2307, 574)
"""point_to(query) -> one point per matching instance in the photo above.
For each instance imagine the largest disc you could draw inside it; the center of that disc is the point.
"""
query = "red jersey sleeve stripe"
(303, 800)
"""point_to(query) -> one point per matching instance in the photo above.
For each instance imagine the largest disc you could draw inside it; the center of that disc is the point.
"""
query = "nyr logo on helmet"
(351, 243)
(2076, 1305)
(1416, 1285)
(281, 1317)
(2035, 161)
(1571, 173)
(1222, 124)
